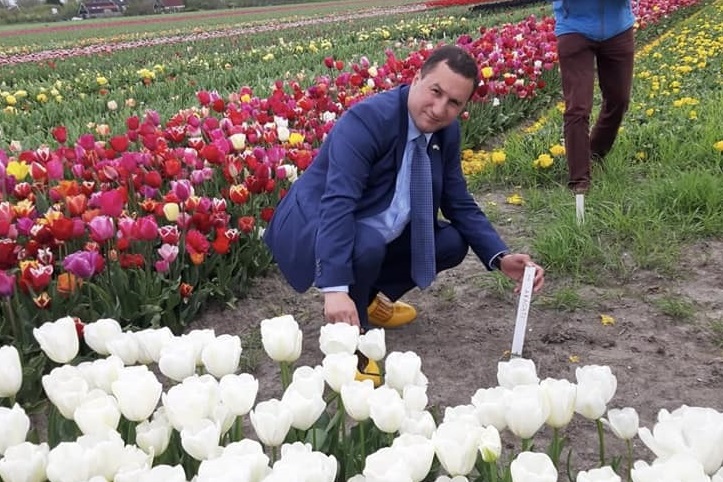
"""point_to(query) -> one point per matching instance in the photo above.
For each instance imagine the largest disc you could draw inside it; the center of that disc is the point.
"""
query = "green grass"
(679, 308)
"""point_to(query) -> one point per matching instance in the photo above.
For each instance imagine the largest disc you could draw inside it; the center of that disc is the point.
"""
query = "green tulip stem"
(492, 467)
(342, 433)
(629, 444)
(526, 444)
(237, 430)
(285, 374)
(274, 454)
(601, 439)
(17, 333)
(362, 443)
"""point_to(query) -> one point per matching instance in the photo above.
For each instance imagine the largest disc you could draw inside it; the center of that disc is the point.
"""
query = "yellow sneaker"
(368, 370)
(383, 313)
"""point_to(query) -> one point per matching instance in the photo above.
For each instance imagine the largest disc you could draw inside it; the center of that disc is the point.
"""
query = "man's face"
(436, 99)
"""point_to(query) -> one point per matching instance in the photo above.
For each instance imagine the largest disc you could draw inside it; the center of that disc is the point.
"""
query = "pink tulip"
(101, 228)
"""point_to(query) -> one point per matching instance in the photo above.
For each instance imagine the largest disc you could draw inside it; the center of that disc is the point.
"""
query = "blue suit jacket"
(312, 232)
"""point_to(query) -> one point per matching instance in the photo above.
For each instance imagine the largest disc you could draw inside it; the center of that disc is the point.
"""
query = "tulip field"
(140, 163)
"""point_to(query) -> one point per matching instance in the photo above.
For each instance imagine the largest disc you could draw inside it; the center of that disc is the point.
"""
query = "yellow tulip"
(171, 211)
(101, 80)
(19, 170)
(11, 100)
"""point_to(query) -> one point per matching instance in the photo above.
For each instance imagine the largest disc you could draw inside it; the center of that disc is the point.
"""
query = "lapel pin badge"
(435, 147)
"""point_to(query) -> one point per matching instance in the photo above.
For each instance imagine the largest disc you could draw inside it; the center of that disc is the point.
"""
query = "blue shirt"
(597, 20)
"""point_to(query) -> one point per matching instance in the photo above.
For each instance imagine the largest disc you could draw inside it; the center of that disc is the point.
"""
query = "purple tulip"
(83, 264)
(7, 284)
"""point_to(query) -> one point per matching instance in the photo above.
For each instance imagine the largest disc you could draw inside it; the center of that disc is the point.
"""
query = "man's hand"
(339, 307)
(513, 266)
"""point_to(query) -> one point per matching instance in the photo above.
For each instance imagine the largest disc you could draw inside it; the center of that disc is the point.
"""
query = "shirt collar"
(413, 132)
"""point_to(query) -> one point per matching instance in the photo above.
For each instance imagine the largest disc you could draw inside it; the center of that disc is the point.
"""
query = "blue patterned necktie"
(422, 228)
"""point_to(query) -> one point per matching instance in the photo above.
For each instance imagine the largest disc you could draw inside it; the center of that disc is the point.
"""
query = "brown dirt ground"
(465, 327)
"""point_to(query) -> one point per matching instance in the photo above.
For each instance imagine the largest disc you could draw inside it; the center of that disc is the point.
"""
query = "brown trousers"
(578, 55)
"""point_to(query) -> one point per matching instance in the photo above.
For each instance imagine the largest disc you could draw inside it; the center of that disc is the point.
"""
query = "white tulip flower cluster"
(193, 429)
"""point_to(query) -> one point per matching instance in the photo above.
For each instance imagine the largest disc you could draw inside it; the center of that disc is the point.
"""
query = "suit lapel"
(403, 127)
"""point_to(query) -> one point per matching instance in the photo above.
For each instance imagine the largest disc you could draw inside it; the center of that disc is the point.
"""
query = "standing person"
(361, 222)
(593, 32)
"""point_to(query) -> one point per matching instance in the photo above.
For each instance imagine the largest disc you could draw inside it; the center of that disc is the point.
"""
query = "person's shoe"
(383, 313)
(580, 187)
(368, 369)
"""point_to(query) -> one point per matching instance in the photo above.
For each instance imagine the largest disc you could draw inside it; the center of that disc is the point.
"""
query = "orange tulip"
(67, 283)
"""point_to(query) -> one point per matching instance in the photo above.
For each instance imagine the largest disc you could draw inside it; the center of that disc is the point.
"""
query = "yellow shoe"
(368, 370)
(383, 313)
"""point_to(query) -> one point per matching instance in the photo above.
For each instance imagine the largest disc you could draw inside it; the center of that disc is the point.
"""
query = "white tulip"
(603, 474)
(251, 455)
(402, 369)
(224, 468)
(199, 339)
(66, 389)
(11, 371)
(338, 338)
(561, 396)
(98, 413)
(718, 476)
(271, 420)
(58, 339)
(138, 391)
(623, 422)
(124, 346)
(166, 473)
(222, 355)
(387, 465)
(193, 399)
(445, 478)
(238, 392)
(490, 445)
(418, 423)
(516, 371)
(306, 404)
(533, 467)
(98, 333)
(456, 445)
(419, 453)
(150, 342)
(678, 467)
(154, 435)
(373, 344)
(306, 464)
(596, 386)
(386, 409)
(527, 410)
(461, 413)
(355, 397)
(200, 439)
(283, 133)
(107, 454)
(695, 431)
(491, 404)
(68, 462)
(15, 425)
(357, 478)
(281, 338)
(308, 374)
(101, 373)
(178, 359)
(415, 398)
(24, 462)
(338, 369)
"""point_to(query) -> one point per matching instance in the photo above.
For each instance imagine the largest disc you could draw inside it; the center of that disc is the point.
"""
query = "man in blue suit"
(344, 226)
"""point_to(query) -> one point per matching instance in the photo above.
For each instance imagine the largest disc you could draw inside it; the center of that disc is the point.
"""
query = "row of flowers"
(329, 424)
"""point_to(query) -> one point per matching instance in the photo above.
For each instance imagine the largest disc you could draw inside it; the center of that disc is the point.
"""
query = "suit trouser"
(386, 268)
(577, 55)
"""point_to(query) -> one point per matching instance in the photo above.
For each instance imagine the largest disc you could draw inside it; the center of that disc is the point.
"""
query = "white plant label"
(580, 208)
(523, 310)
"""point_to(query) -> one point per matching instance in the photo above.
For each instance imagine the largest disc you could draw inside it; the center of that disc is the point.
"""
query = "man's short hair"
(458, 60)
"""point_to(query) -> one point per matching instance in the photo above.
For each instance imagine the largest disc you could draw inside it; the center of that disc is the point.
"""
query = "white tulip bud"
(58, 339)
(11, 371)
(15, 425)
